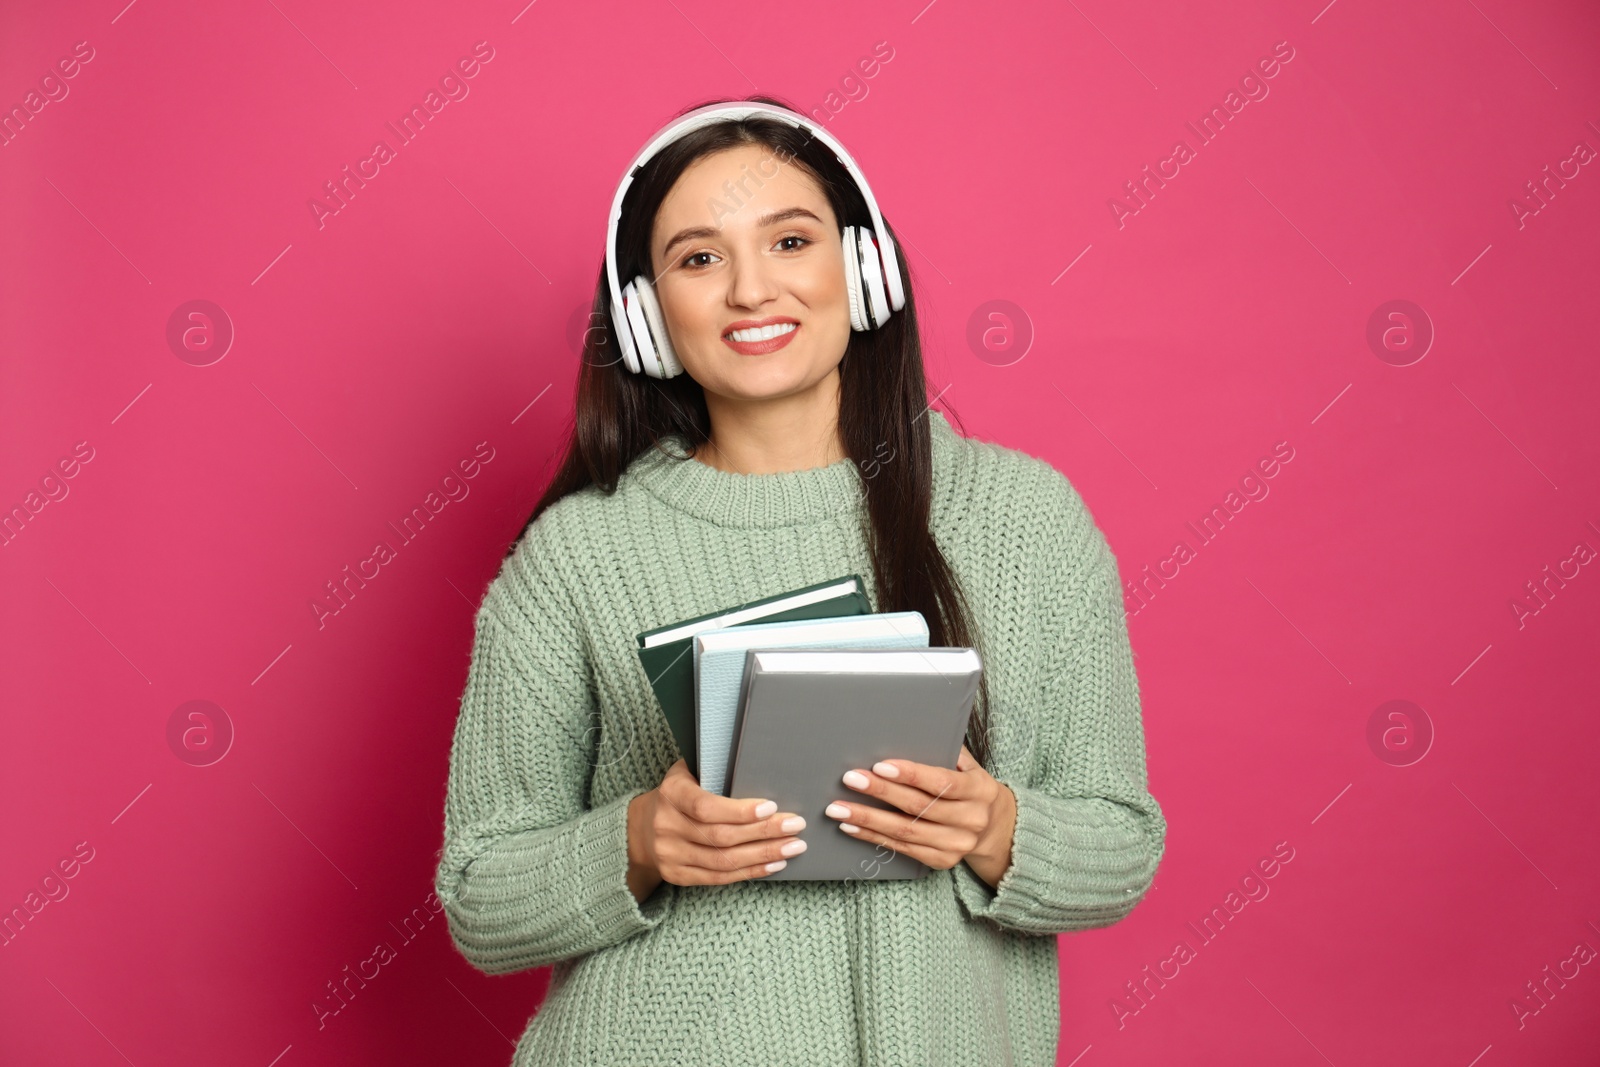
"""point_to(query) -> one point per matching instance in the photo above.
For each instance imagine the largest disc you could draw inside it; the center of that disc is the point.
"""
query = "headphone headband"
(710, 115)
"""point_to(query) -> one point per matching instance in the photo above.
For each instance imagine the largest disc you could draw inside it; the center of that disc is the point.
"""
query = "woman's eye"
(700, 260)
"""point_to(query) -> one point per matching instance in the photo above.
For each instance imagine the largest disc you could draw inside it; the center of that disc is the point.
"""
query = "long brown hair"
(883, 399)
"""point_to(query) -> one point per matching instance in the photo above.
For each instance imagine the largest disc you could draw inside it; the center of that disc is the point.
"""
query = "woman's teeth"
(762, 333)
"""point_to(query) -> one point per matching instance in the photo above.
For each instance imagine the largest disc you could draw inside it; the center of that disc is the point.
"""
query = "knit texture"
(559, 730)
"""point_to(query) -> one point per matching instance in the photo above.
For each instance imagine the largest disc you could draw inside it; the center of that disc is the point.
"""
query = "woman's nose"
(751, 281)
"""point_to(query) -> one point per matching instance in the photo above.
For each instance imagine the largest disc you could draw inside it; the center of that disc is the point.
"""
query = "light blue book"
(719, 669)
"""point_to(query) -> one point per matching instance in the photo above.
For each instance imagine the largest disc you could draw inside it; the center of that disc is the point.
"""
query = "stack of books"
(779, 697)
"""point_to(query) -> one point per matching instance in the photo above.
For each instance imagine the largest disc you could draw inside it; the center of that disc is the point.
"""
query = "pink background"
(1168, 354)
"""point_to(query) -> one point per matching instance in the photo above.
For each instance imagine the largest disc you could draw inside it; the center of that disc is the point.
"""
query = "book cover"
(808, 715)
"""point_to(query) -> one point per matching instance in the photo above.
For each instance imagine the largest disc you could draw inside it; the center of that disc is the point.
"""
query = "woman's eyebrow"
(695, 232)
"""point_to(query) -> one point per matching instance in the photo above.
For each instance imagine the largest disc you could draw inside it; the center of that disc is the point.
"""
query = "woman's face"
(746, 240)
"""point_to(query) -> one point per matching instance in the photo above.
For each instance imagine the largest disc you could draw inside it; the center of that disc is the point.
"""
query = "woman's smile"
(755, 337)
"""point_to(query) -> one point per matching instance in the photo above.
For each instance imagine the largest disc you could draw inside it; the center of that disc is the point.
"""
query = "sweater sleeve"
(530, 874)
(1088, 835)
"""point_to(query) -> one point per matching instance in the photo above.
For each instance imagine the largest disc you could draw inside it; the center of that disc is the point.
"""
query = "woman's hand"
(680, 833)
(949, 816)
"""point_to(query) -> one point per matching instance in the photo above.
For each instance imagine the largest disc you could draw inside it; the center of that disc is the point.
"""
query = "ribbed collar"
(788, 498)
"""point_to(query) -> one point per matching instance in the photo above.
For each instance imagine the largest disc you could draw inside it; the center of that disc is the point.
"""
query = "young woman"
(797, 444)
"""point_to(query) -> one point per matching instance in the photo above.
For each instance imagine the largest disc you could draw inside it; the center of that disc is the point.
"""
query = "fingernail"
(765, 808)
(855, 779)
(793, 824)
(888, 770)
(849, 829)
(793, 848)
(837, 811)
(777, 865)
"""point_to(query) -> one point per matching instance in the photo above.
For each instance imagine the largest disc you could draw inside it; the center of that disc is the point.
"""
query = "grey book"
(806, 716)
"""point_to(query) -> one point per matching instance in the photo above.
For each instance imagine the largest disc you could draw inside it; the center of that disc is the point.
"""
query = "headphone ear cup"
(621, 322)
(852, 279)
(876, 293)
(645, 350)
(666, 357)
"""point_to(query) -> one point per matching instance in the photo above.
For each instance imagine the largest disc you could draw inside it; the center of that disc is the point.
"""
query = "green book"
(668, 658)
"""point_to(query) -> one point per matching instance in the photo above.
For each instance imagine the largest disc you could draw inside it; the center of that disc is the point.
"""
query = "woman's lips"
(757, 348)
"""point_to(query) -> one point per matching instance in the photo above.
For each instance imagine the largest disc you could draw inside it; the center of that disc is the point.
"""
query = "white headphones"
(871, 264)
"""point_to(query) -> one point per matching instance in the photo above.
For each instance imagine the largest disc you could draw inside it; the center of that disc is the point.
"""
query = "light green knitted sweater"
(559, 730)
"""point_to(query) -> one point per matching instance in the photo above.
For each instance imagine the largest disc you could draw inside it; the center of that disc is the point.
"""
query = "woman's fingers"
(937, 858)
(722, 835)
(709, 864)
(959, 835)
(927, 778)
(725, 821)
(705, 839)
(683, 792)
(686, 798)
(924, 807)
